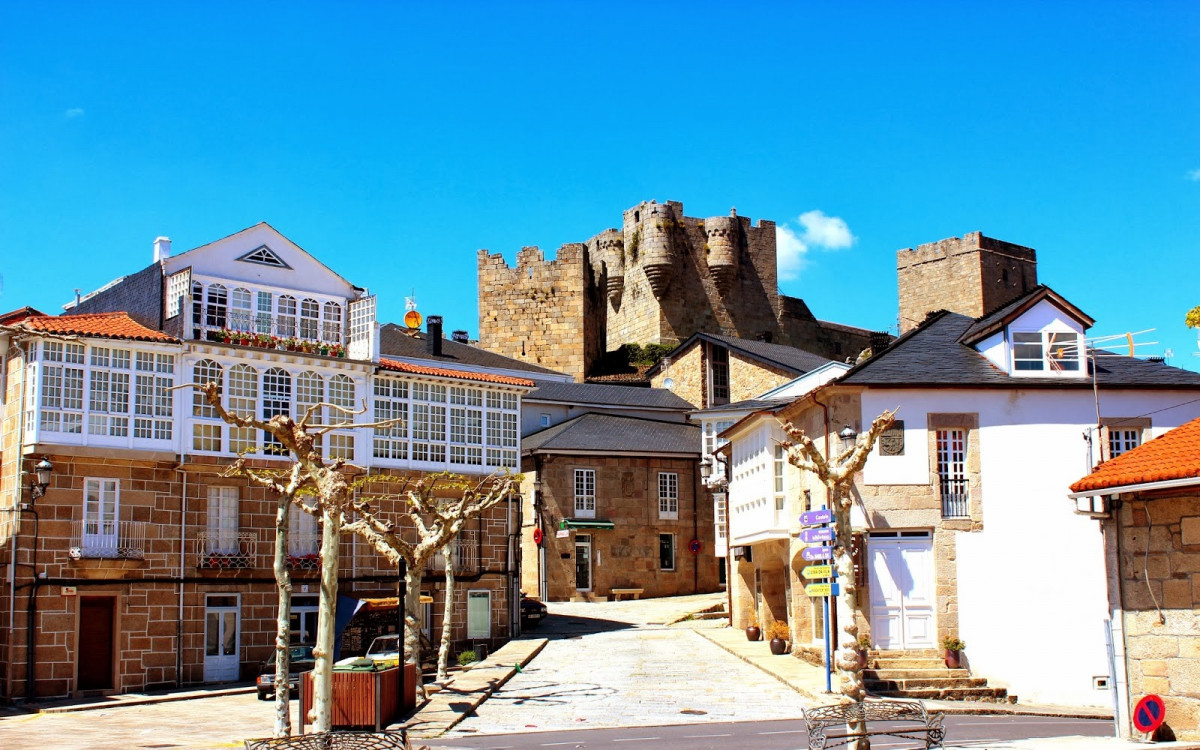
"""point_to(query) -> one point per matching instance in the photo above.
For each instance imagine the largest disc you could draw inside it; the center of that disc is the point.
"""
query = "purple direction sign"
(816, 553)
(823, 534)
(814, 517)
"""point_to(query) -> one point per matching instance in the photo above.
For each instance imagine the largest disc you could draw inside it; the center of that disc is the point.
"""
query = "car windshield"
(384, 645)
(295, 654)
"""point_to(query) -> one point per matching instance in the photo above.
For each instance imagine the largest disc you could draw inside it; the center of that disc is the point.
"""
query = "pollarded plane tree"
(837, 474)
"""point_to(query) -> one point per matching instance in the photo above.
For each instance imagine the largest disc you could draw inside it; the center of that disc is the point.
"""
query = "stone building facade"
(972, 275)
(659, 278)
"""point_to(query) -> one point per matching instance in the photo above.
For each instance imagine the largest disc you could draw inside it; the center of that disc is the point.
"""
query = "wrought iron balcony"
(466, 554)
(221, 550)
(111, 539)
(303, 551)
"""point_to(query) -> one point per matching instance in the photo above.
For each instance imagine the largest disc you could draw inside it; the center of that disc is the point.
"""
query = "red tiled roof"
(442, 372)
(115, 325)
(1175, 455)
(16, 316)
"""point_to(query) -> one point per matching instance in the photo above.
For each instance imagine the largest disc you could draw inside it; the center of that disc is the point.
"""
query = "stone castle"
(658, 279)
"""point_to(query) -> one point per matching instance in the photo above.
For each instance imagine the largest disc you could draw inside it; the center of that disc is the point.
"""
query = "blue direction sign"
(816, 553)
(824, 534)
(814, 517)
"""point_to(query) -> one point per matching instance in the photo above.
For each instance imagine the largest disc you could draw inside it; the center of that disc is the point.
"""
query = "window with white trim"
(243, 399)
(479, 614)
(310, 315)
(780, 497)
(304, 536)
(1046, 351)
(1121, 440)
(952, 471)
(108, 398)
(668, 494)
(712, 443)
(206, 435)
(391, 403)
(287, 316)
(62, 387)
(276, 399)
(331, 325)
(263, 317)
(216, 309)
(100, 532)
(241, 316)
(152, 396)
(585, 493)
(310, 391)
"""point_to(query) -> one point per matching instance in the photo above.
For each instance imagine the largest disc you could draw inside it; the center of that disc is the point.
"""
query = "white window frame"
(222, 520)
(668, 495)
(101, 517)
(953, 483)
(1053, 352)
(585, 493)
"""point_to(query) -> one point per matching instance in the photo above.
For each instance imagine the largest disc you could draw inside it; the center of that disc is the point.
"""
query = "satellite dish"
(412, 319)
(669, 384)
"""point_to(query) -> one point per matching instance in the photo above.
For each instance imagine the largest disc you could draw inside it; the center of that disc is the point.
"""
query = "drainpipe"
(182, 548)
(695, 530)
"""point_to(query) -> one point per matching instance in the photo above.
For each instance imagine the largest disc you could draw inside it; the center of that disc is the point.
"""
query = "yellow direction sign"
(821, 589)
(817, 571)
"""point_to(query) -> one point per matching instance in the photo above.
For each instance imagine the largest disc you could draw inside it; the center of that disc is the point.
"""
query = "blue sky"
(394, 140)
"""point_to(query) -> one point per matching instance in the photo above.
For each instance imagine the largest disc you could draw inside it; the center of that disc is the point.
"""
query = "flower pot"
(953, 659)
(779, 647)
(753, 633)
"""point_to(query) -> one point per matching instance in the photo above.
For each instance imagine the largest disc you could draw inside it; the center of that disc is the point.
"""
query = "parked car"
(532, 611)
(300, 659)
(384, 651)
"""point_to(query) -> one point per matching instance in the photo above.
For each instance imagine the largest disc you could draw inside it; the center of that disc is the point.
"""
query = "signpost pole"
(828, 654)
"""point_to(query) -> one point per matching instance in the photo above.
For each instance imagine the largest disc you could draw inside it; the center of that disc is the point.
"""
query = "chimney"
(433, 335)
(460, 336)
(162, 249)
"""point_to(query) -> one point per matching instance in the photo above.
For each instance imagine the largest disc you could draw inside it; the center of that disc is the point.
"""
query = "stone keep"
(658, 279)
(972, 275)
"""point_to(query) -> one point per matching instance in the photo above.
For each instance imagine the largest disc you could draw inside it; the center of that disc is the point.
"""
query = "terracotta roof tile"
(116, 325)
(442, 372)
(1175, 455)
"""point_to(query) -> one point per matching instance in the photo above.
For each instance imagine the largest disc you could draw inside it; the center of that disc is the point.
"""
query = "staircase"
(923, 675)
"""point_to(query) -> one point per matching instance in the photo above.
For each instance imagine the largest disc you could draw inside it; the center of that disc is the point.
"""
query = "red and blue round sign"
(694, 546)
(538, 536)
(1149, 713)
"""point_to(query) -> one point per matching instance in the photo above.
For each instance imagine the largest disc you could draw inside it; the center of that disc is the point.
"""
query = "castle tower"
(658, 231)
(971, 275)
(722, 248)
(610, 245)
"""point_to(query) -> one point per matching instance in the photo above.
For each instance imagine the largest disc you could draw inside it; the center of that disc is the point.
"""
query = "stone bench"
(906, 720)
(632, 593)
(333, 741)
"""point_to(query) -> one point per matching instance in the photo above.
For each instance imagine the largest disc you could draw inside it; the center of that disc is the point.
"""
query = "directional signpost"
(823, 535)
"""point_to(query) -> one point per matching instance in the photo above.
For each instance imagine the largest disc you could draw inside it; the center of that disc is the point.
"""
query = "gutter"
(1165, 484)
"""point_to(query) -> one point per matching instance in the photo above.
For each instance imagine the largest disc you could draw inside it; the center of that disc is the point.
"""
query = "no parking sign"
(1149, 713)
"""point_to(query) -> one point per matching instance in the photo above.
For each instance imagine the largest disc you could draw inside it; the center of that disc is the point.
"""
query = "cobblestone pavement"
(615, 664)
(205, 723)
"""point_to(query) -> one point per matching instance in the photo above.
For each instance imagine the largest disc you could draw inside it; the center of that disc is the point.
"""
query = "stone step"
(919, 653)
(894, 662)
(895, 674)
(980, 694)
(924, 682)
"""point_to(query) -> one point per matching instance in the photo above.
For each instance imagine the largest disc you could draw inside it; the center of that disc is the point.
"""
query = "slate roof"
(443, 372)
(787, 358)
(932, 355)
(394, 340)
(615, 435)
(606, 395)
(1173, 455)
(750, 405)
(116, 325)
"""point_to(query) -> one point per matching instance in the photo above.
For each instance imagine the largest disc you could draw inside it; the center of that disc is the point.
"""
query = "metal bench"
(618, 593)
(334, 741)
(907, 720)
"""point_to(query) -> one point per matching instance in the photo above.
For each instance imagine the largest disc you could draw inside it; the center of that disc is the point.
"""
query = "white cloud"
(73, 112)
(817, 231)
(1194, 175)
(790, 251)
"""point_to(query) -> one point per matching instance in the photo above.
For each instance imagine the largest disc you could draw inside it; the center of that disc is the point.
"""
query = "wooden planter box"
(364, 699)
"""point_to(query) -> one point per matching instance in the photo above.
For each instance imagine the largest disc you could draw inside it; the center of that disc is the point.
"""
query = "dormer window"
(263, 255)
(1045, 351)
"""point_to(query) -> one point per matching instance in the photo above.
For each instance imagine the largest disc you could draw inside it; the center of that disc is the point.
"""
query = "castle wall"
(535, 312)
(971, 275)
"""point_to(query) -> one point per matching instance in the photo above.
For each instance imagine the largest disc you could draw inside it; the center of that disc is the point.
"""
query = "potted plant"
(864, 645)
(753, 632)
(954, 648)
(780, 634)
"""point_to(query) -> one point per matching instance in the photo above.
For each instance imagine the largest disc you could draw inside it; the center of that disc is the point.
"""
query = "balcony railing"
(955, 495)
(303, 551)
(221, 550)
(116, 540)
(466, 554)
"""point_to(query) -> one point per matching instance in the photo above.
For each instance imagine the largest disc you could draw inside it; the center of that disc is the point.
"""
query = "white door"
(100, 500)
(902, 590)
(221, 619)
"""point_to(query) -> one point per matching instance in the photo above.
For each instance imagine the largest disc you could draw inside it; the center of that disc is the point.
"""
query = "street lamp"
(706, 468)
(847, 436)
(42, 469)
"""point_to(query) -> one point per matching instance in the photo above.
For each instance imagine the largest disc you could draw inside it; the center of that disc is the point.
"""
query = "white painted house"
(963, 528)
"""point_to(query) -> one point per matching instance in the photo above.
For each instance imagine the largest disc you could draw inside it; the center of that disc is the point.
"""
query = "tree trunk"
(322, 708)
(412, 618)
(448, 610)
(283, 581)
(846, 657)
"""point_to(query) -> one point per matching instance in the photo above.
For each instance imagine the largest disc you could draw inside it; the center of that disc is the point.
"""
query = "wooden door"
(95, 650)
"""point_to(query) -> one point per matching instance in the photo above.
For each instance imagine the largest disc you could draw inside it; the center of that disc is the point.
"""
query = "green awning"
(585, 523)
